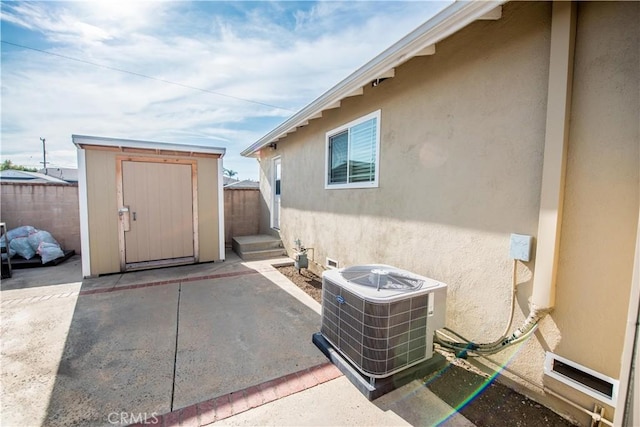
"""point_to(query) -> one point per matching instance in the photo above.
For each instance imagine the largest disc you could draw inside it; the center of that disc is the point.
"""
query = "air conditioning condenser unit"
(381, 318)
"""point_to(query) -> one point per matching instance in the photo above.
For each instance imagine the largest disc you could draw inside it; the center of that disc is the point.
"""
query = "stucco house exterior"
(491, 118)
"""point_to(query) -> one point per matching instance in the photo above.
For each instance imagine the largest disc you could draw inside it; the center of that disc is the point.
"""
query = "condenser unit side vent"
(581, 378)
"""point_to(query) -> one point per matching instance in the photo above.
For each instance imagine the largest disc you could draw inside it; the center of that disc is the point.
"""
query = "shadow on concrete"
(133, 352)
(68, 271)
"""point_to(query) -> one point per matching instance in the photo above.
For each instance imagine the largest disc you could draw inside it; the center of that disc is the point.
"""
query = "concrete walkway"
(224, 343)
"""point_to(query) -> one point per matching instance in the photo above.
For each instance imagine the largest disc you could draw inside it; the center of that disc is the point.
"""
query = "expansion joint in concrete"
(175, 353)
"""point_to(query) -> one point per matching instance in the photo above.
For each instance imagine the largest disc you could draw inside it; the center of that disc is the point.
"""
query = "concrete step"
(256, 243)
(265, 254)
(257, 247)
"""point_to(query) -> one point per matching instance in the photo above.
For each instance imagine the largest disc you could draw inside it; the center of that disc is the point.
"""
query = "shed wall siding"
(103, 208)
(102, 211)
(208, 217)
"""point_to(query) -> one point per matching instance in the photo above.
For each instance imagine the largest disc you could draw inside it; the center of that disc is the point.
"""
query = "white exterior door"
(275, 211)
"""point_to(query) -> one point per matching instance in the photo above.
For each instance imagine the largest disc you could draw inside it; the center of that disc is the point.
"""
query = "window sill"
(351, 185)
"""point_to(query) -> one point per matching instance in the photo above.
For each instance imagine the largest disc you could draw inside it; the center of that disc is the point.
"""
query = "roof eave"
(447, 22)
(85, 140)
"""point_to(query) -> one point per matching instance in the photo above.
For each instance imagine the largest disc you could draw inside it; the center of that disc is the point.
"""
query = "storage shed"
(148, 204)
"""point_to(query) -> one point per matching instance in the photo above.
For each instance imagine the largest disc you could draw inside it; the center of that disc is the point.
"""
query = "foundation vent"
(331, 263)
(581, 378)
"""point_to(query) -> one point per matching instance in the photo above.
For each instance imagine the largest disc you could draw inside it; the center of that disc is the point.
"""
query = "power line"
(133, 73)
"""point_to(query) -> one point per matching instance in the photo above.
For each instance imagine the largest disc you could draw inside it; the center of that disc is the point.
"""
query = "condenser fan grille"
(382, 278)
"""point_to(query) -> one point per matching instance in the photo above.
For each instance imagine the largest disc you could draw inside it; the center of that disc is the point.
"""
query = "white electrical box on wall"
(520, 247)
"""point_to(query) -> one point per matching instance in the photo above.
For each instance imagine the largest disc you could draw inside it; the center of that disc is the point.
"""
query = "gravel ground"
(305, 280)
(496, 405)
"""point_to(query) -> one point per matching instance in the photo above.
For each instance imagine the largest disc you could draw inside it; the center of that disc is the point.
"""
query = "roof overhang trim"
(85, 141)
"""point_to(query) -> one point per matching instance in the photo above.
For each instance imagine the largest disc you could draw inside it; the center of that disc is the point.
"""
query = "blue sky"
(248, 67)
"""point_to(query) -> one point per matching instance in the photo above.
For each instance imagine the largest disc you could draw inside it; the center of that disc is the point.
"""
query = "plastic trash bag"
(23, 231)
(22, 247)
(49, 251)
(41, 236)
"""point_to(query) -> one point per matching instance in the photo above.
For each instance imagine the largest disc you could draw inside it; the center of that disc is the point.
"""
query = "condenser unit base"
(373, 388)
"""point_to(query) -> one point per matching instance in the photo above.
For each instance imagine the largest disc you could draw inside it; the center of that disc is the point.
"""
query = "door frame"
(194, 207)
(276, 197)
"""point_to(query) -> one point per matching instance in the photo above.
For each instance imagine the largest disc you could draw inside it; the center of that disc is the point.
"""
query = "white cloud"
(270, 53)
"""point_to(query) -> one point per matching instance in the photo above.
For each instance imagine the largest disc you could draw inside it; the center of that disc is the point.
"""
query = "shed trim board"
(116, 144)
(84, 214)
(221, 209)
(102, 196)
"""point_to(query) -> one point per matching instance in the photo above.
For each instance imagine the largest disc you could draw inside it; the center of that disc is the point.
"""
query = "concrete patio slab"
(104, 351)
(118, 357)
(31, 348)
(236, 332)
(66, 272)
(82, 353)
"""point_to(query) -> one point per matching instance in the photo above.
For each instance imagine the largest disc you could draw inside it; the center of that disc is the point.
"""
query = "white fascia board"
(447, 22)
(82, 141)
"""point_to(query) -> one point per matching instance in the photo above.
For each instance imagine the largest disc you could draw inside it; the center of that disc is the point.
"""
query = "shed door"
(160, 201)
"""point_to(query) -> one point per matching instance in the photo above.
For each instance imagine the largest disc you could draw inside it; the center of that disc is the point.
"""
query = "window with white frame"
(353, 153)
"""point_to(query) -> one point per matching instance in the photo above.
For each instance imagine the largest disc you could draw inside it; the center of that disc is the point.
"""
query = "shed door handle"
(134, 216)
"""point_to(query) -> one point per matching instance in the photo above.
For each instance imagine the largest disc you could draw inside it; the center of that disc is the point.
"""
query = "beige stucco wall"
(51, 207)
(266, 193)
(102, 203)
(462, 140)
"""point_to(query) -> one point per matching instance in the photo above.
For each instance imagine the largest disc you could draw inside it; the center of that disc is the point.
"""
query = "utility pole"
(44, 155)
